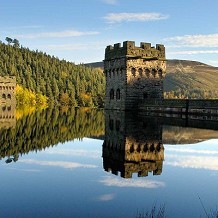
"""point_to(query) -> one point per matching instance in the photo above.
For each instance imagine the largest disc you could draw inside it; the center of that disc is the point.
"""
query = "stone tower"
(133, 74)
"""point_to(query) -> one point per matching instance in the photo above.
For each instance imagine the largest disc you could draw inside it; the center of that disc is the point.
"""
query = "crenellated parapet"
(145, 51)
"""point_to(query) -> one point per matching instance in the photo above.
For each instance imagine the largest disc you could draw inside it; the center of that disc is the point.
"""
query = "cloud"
(209, 40)
(106, 197)
(25, 170)
(134, 17)
(61, 34)
(62, 164)
(196, 162)
(119, 182)
(110, 2)
(193, 52)
(190, 150)
(76, 152)
(73, 47)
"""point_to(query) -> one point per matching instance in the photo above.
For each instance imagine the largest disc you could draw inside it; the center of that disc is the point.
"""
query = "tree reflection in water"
(47, 128)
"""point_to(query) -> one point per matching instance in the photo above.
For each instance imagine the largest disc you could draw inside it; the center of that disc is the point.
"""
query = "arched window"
(133, 71)
(3, 96)
(9, 96)
(118, 94)
(114, 73)
(111, 124)
(109, 74)
(154, 72)
(152, 147)
(147, 73)
(117, 125)
(160, 73)
(140, 72)
(145, 95)
(111, 94)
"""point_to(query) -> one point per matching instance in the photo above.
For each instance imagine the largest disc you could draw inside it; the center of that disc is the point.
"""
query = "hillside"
(187, 79)
(191, 79)
(62, 82)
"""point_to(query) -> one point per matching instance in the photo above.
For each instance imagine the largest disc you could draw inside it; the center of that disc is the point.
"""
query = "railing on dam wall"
(193, 107)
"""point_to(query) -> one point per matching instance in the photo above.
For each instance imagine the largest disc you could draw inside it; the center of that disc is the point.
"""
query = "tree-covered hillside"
(61, 81)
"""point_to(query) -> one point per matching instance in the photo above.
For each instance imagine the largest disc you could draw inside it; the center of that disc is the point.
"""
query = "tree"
(9, 40)
(16, 43)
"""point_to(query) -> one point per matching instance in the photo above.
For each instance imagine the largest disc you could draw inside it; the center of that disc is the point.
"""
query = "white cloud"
(210, 40)
(61, 34)
(193, 52)
(106, 197)
(196, 162)
(191, 150)
(76, 152)
(25, 170)
(139, 183)
(73, 47)
(63, 164)
(110, 2)
(134, 17)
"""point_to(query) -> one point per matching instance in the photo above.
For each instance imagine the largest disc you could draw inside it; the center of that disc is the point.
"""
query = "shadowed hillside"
(187, 79)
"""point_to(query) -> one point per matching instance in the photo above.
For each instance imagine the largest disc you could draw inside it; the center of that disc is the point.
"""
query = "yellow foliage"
(29, 98)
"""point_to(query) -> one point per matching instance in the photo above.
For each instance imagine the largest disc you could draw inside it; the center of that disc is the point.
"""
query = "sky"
(80, 30)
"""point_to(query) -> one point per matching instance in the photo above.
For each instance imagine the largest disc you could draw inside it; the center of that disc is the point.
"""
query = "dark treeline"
(49, 127)
(62, 82)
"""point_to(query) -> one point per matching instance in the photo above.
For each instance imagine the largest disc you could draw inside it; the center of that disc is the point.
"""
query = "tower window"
(3, 96)
(147, 72)
(117, 125)
(160, 73)
(133, 71)
(145, 95)
(154, 72)
(140, 72)
(111, 124)
(9, 96)
(111, 94)
(118, 94)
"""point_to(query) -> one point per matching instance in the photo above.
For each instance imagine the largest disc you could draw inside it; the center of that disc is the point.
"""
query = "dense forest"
(49, 127)
(62, 82)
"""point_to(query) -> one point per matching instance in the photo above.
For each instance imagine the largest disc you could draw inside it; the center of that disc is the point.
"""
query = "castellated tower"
(133, 74)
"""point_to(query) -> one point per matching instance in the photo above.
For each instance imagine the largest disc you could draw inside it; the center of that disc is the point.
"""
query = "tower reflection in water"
(132, 145)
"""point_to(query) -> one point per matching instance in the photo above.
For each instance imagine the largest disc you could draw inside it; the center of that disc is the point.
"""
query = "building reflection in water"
(132, 145)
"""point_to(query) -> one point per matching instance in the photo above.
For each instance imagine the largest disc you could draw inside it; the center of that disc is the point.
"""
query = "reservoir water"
(91, 163)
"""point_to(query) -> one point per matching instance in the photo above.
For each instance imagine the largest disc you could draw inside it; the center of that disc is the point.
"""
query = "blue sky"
(79, 30)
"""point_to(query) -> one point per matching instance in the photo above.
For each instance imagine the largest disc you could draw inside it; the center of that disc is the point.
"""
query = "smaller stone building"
(7, 101)
(133, 74)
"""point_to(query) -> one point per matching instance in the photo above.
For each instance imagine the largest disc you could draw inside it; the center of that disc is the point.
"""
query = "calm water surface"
(56, 164)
